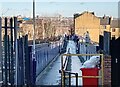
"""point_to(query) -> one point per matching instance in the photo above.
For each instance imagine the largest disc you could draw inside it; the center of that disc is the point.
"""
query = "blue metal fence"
(20, 67)
(45, 54)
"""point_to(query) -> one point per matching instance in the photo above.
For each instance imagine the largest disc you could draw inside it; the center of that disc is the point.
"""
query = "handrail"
(66, 61)
(69, 73)
(62, 68)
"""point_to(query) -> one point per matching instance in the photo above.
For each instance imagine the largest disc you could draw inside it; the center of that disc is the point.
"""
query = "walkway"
(51, 75)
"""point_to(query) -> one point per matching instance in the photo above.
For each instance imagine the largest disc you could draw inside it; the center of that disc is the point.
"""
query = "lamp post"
(33, 56)
(33, 29)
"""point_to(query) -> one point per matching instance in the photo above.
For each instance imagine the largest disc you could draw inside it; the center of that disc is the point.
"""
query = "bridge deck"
(51, 75)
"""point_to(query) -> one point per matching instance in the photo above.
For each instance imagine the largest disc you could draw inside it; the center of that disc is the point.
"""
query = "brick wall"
(88, 22)
(107, 70)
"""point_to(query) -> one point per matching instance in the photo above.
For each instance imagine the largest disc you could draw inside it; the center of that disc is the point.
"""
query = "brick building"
(46, 27)
(110, 24)
(87, 21)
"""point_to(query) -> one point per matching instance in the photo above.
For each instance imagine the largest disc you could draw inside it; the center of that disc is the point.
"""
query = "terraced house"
(95, 26)
(47, 27)
(87, 22)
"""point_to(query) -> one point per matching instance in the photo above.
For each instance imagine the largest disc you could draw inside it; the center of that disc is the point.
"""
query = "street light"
(33, 29)
(33, 56)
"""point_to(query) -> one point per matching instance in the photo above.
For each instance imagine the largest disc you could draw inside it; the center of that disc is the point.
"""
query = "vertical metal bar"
(23, 49)
(102, 62)
(61, 71)
(22, 61)
(62, 84)
(34, 71)
(12, 58)
(69, 79)
(16, 49)
(27, 62)
(86, 50)
(19, 58)
(64, 78)
(33, 56)
(8, 56)
(5, 59)
(1, 45)
(32, 66)
(76, 74)
(0, 40)
(34, 29)
(32, 63)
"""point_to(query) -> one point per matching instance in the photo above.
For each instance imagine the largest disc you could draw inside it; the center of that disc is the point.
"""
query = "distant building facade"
(87, 22)
(95, 26)
(111, 25)
(46, 27)
(115, 28)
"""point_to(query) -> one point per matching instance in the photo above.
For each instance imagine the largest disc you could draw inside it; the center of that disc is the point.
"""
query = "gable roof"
(77, 14)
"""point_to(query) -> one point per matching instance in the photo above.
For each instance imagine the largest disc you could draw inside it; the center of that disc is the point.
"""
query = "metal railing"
(69, 76)
(62, 71)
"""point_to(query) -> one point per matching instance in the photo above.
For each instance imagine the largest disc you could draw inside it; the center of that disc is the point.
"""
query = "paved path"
(75, 63)
(51, 75)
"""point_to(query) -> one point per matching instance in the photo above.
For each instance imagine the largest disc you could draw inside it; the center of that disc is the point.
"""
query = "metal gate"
(15, 55)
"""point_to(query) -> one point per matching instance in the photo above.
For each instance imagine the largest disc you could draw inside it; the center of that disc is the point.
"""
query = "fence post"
(64, 78)
(18, 63)
(16, 49)
(5, 52)
(12, 58)
(22, 61)
(1, 45)
(76, 74)
(27, 61)
(34, 71)
(8, 56)
(31, 65)
(69, 79)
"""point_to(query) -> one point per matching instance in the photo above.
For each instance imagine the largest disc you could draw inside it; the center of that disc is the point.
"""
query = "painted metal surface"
(44, 54)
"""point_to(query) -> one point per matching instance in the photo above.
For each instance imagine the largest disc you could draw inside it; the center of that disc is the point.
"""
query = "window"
(113, 30)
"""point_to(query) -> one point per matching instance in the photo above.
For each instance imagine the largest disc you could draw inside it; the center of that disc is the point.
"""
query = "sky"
(51, 8)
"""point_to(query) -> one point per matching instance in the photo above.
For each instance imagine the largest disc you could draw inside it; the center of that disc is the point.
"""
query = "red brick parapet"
(107, 70)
